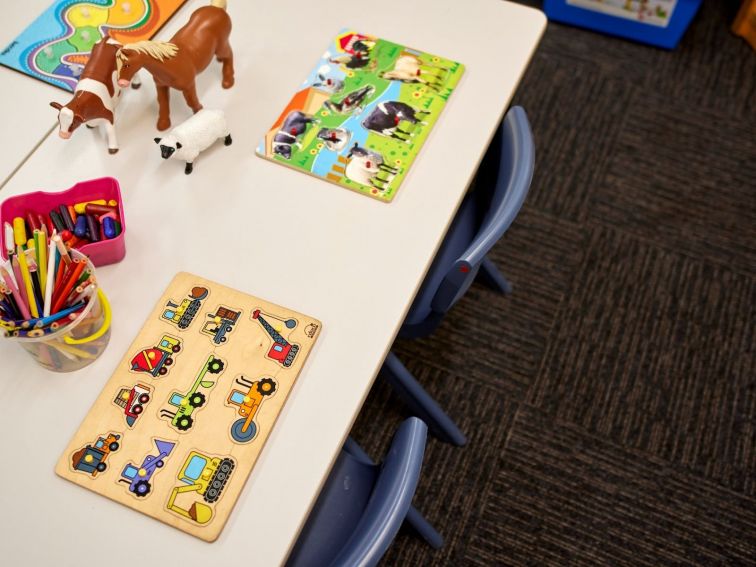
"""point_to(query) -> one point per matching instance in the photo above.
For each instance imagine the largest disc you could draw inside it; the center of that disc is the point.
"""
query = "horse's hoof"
(136, 86)
(227, 83)
(163, 124)
(90, 126)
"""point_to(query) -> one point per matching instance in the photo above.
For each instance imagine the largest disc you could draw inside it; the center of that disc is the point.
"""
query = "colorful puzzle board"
(55, 47)
(178, 427)
(380, 95)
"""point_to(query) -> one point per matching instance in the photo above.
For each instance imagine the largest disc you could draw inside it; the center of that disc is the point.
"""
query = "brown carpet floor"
(610, 401)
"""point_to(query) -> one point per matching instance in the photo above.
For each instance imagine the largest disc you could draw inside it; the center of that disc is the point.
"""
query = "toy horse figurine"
(176, 63)
(96, 95)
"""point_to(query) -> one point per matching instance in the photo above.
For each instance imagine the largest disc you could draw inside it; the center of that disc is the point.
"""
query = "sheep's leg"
(227, 140)
(164, 108)
(190, 96)
(111, 133)
(189, 167)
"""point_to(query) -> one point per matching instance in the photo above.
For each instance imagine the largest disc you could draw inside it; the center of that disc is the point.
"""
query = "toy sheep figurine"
(193, 136)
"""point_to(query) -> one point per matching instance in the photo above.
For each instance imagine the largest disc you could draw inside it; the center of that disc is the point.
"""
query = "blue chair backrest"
(505, 178)
(362, 505)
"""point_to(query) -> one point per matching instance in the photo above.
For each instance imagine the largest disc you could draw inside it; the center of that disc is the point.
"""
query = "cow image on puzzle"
(362, 114)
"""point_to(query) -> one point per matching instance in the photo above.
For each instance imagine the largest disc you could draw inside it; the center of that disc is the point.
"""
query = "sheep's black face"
(166, 151)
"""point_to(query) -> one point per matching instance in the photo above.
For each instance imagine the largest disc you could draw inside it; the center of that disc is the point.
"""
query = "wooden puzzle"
(178, 427)
(56, 46)
(363, 113)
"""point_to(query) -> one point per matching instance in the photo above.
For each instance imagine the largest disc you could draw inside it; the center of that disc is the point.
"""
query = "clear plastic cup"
(76, 344)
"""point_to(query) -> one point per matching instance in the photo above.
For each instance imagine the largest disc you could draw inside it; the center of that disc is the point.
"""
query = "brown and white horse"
(96, 95)
(176, 63)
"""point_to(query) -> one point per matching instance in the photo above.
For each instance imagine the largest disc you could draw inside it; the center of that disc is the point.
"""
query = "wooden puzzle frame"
(178, 427)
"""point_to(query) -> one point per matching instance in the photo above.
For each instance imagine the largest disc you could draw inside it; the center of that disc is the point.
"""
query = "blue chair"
(484, 216)
(362, 505)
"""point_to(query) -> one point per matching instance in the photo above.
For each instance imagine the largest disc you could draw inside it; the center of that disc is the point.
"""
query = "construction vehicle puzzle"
(221, 323)
(157, 360)
(133, 400)
(182, 314)
(248, 402)
(203, 476)
(138, 477)
(91, 459)
(191, 405)
(281, 351)
(185, 404)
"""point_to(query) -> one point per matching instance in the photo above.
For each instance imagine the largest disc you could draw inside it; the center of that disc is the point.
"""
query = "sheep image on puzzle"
(193, 136)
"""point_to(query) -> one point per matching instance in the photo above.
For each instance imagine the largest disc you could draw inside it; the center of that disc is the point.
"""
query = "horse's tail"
(219, 4)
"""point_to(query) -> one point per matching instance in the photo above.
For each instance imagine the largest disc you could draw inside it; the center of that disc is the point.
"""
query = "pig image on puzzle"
(193, 136)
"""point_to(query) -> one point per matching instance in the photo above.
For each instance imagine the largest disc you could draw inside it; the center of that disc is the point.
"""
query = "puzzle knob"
(151, 356)
(48, 51)
(217, 320)
(247, 399)
(142, 472)
(184, 402)
(126, 7)
(88, 459)
(125, 396)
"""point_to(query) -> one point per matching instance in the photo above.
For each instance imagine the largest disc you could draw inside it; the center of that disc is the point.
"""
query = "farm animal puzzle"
(178, 427)
(56, 46)
(363, 113)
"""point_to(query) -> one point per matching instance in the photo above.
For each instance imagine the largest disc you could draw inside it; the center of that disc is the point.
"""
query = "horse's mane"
(156, 49)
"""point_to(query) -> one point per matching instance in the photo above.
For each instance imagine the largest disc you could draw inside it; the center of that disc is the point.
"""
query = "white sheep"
(193, 136)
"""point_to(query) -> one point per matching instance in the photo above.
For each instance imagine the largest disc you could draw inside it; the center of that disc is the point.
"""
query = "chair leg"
(423, 528)
(414, 518)
(490, 275)
(420, 402)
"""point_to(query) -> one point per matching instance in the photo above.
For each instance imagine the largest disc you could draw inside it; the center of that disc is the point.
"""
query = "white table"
(351, 261)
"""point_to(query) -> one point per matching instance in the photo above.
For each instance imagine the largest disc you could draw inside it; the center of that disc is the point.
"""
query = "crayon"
(32, 221)
(94, 228)
(19, 231)
(81, 207)
(81, 227)
(109, 227)
(94, 209)
(72, 212)
(66, 216)
(57, 221)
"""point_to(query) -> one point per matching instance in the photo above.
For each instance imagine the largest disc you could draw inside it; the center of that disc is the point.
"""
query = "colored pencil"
(52, 251)
(19, 280)
(69, 284)
(22, 307)
(27, 282)
(42, 263)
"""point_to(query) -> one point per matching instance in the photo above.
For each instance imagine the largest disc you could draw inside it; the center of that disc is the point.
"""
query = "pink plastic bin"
(101, 253)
